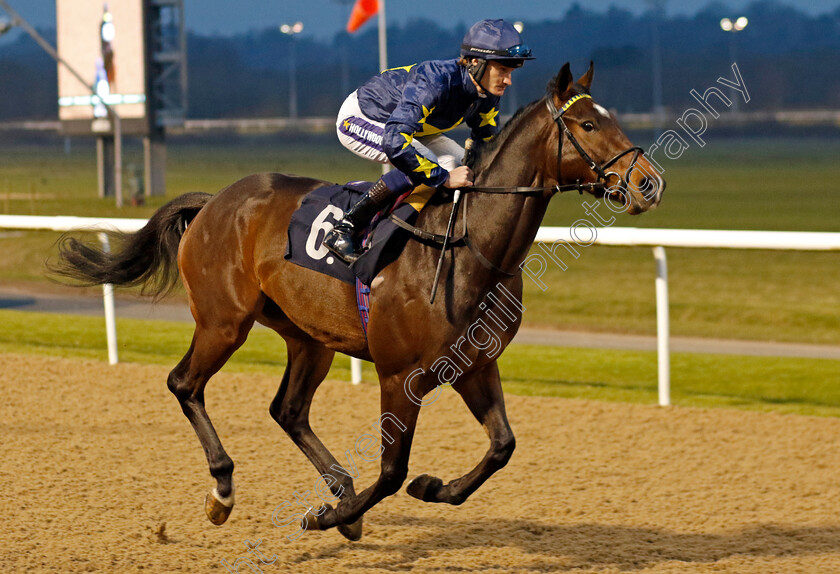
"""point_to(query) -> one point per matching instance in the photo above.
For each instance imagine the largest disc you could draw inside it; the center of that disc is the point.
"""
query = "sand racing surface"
(101, 472)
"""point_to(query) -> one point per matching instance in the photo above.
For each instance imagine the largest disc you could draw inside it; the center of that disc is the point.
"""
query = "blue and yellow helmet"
(495, 40)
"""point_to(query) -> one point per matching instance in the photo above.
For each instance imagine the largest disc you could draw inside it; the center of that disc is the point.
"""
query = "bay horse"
(229, 251)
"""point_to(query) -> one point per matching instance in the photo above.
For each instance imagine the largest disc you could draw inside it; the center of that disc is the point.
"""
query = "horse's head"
(596, 151)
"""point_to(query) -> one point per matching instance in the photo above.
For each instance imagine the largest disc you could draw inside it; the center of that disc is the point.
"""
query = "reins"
(600, 185)
(437, 240)
(578, 186)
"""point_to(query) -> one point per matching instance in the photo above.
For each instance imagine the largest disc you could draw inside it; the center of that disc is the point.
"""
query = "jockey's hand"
(459, 177)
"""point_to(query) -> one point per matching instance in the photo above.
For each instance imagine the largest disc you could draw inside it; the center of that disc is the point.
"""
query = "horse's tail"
(147, 257)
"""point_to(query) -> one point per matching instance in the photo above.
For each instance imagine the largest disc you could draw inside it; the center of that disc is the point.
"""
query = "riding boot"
(341, 239)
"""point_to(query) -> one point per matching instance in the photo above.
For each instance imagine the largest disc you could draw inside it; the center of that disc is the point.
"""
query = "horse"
(228, 250)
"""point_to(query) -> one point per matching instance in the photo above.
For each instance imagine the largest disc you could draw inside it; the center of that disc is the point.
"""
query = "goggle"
(518, 51)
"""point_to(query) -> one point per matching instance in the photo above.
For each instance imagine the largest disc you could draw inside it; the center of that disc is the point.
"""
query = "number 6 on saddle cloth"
(322, 208)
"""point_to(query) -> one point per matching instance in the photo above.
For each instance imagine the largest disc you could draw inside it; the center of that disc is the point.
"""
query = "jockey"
(398, 117)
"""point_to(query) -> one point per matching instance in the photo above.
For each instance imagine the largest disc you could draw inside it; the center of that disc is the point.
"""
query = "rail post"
(110, 320)
(355, 370)
(662, 327)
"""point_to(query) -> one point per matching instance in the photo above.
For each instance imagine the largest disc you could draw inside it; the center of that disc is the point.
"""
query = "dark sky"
(325, 17)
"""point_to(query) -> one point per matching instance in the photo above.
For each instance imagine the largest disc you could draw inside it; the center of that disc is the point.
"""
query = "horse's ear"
(563, 81)
(586, 79)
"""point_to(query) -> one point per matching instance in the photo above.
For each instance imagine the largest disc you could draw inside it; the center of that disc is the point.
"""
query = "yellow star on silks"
(488, 119)
(406, 68)
(426, 113)
(408, 139)
(346, 124)
(425, 166)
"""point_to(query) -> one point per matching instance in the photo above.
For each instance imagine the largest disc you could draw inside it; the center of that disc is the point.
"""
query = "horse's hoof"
(424, 487)
(310, 520)
(351, 531)
(217, 508)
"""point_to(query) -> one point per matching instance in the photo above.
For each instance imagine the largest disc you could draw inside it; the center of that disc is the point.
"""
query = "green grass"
(773, 296)
(800, 386)
(791, 385)
(140, 341)
(784, 184)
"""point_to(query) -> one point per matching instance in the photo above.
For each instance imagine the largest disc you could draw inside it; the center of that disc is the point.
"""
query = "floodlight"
(292, 29)
(518, 26)
(726, 25)
(741, 23)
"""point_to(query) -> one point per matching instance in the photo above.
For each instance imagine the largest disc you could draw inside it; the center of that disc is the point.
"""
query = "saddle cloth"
(322, 208)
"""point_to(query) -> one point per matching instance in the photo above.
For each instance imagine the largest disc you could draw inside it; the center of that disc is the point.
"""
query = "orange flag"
(362, 12)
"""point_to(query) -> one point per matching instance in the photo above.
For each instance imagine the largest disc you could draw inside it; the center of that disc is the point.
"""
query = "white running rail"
(658, 239)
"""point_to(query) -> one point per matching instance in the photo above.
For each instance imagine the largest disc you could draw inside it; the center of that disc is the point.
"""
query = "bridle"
(600, 185)
(600, 170)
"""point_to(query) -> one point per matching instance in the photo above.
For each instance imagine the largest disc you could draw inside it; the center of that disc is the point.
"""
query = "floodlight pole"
(658, 10)
(17, 20)
(383, 54)
(383, 37)
(345, 72)
(292, 30)
(732, 28)
(356, 364)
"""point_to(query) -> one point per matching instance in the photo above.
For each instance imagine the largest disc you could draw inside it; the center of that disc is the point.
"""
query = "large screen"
(104, 43)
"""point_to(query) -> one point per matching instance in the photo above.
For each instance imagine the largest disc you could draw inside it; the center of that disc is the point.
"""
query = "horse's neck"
(504, 225)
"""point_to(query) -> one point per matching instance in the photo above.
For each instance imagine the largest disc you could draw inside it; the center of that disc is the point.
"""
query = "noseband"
(600, 185)
(601, 170)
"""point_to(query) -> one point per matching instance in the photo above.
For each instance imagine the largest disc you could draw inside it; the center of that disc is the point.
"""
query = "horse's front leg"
(482, 392)
(397, 424)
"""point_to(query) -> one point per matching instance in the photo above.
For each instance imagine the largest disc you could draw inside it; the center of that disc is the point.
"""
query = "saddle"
(322, 208)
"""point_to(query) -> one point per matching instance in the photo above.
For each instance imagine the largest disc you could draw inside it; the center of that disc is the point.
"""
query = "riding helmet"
(494, 40)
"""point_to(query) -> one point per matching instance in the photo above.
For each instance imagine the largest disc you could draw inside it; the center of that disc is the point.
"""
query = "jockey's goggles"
(518, 51)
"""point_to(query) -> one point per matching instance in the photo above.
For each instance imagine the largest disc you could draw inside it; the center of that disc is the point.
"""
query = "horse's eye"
(588, 126)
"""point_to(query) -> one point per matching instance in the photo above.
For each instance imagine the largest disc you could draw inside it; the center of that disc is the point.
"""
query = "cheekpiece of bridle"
(601, 170)
(601, 185)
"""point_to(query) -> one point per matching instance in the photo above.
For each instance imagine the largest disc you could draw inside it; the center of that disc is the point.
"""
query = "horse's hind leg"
(482, 392)
(209, 350)
(308, 364)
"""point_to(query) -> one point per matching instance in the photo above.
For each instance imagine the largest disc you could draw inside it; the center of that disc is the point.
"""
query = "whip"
(455, 202)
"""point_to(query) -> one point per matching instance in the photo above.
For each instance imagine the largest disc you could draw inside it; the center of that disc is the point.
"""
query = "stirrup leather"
(341, 239)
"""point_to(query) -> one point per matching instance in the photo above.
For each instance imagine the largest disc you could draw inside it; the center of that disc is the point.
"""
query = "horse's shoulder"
(438, 206)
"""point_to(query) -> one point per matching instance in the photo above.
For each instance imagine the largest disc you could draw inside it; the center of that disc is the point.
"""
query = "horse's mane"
(485, 149)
